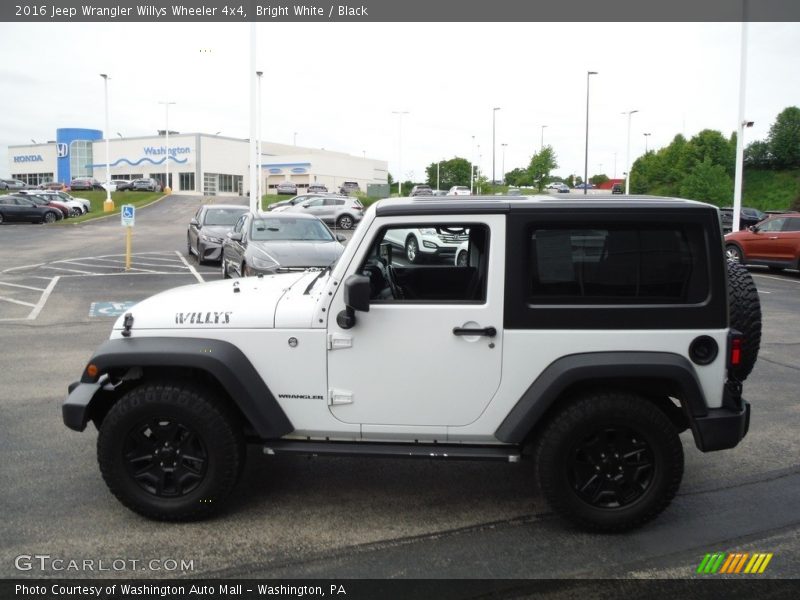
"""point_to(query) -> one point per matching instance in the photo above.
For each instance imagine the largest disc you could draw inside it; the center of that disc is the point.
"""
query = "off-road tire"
(583, 419)
(745, 316)
(180, 404)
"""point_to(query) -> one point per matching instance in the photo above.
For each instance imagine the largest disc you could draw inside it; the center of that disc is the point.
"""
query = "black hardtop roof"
(504, 204)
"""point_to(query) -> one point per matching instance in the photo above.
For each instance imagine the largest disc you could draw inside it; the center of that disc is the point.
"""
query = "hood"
(214, 305)
(215, 230)
(297, 253)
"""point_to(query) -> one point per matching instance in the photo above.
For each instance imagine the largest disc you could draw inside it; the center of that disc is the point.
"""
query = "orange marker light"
(92, 371)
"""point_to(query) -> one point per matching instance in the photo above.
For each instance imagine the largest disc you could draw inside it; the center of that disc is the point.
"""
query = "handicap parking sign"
(128, 215)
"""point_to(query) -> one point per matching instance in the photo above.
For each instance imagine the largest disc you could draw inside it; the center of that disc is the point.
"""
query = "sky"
(336, 85)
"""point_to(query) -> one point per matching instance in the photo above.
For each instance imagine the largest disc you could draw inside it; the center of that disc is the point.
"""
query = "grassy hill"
(770, 190)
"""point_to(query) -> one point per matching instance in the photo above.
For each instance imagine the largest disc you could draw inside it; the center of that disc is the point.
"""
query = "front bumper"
(210, 251)
(75, 410)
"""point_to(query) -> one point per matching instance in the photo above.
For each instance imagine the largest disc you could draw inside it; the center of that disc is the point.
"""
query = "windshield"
(289, 229)
(223, 216)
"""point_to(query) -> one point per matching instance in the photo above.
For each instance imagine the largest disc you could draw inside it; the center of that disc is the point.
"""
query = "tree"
(757, 155)
(709, 183)
(598, 179)
(540, 166)
(518, 177)
(784, 139)
(451, 172)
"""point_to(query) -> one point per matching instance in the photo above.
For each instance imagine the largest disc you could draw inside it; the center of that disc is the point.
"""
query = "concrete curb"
(116, 213)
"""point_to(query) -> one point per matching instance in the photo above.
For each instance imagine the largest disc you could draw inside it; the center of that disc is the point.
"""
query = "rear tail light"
(735, 358)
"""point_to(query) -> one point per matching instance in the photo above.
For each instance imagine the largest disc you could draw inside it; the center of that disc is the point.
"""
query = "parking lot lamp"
(167, 189)
(260, 185)
(503, 163)
(494, 114)
(586, 149)
(108, 205)
(400, 114)
(541, 145)
(646, 135)
(628, 154)
(472, 167)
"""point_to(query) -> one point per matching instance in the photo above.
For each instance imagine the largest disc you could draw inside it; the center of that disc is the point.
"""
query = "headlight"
(262, 263)
(428, 231)
(210, 238)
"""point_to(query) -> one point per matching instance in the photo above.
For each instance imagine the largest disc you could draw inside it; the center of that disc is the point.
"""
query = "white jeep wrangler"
(584, 334)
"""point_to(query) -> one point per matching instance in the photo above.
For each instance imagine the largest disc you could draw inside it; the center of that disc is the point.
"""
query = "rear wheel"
(345, 222)
(49, 217)
(75, 212)
(745, 316)
(609, 461)
(170, 451)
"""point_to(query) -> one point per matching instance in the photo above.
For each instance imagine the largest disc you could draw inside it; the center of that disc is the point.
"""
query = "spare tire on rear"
(745, 316)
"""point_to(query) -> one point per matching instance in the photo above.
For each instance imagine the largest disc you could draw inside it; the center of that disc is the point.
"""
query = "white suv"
(427, 244)
(459, 190)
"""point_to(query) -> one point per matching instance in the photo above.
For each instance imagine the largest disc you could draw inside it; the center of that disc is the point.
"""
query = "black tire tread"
(590, 407)
(745, 316)
(204, 407)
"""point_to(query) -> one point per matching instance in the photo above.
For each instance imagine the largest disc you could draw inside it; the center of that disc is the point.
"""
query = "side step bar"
(380, 449)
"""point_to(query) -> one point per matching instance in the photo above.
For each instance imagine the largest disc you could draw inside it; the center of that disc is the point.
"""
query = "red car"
(65, 211)
(773, 243)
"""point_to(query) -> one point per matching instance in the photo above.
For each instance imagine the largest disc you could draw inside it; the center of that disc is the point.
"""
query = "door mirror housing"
(235, 236)
(341, 238)
(385, 251)
(356, 297)
(195, 223)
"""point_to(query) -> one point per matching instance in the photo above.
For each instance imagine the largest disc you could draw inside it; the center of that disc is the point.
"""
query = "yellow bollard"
(128, 239)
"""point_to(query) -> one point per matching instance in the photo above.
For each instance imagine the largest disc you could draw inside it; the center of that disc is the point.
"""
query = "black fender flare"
(569, 370)
(222, 360)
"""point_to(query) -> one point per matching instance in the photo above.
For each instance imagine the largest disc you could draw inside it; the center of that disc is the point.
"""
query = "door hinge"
(337, 341)
(339, 397)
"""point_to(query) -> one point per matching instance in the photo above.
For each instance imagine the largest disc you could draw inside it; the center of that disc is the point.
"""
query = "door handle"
(487, 331)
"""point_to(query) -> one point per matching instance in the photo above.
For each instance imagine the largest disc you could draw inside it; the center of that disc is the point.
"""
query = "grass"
(98, 197)
(770, 190)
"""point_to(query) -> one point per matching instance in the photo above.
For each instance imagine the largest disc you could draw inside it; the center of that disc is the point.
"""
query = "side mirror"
(385, 251)
(195, 223)
(235, 236)
(356, 297)
(341, 238)
(753, 228)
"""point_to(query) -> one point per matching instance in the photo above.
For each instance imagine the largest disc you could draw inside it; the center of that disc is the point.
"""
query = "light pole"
(646, 135)
(628, 154)
(438, 164)
(166, 104)
(738, 174)
(108, 205)
(503, 168)
(295, 138)
(400, 114)
(260, 184)
(541, 145)
(586, 149)
(494, 114)
(472, 167)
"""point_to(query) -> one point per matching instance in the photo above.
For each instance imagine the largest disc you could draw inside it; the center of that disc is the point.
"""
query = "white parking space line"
(795, 281)
(12, 269)
(71, 270)
(4, 299)
(27, 287)
(168, 260)
(40, 305)
(190, 267)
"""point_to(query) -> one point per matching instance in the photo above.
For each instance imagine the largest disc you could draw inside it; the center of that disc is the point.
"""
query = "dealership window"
(80, 157)
(659, 264)
(187, 181)
(229, 183)
(127, 176)
(33, 178)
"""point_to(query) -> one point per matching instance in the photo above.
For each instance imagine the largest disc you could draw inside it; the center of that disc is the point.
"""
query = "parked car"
(286, 187)
(75, 208)
(85, 183)
(774, 243)
(553, 185)
(584, 186)
(317, 188)
(459, 190)
(617, 189)
(13, 184)
(349, 187)
(428, 244)
(341, 211)
(513, 191)
(421, 190)
(747, 217)
(61, 196)
(208, 228)
(146, 184)
(65, 210)
(21, 209)
(562, 188)
(55, 186)
(284, 204)
(278, 242)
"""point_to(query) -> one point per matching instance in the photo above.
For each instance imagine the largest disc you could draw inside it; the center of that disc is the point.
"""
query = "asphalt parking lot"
(343, 517)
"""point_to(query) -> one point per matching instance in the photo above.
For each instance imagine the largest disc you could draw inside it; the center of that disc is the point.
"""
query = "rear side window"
(622, 265)
(792, 224)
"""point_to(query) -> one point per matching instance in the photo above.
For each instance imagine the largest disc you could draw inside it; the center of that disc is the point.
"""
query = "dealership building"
(199, 163)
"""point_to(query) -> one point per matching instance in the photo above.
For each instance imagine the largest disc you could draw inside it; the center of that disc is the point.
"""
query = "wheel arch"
(123, 363)
(656, 376)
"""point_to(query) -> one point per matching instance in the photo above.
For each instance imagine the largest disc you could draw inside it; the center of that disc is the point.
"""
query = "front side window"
(434, 263)
(616, 265)
(772, 225)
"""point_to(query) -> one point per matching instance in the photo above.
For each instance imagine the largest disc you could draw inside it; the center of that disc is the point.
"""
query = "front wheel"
(412, 250)
(733, 254)
(609, 461)
(461, 261)
(170, 451)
